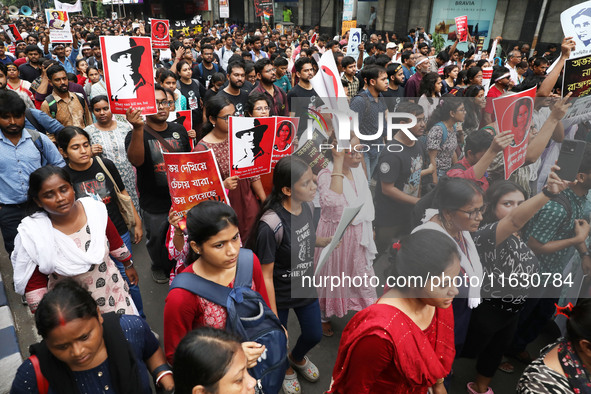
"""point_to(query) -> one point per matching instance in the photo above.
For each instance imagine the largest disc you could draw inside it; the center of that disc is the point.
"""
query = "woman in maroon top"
(214, 242)
(405, 342)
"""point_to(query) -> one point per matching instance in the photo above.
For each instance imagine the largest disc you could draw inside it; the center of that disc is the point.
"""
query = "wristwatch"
(131, 264)
(583, 254)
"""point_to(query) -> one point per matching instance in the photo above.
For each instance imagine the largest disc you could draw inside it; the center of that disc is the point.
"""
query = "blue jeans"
(310, 326)
(134, 290)
(371, 160)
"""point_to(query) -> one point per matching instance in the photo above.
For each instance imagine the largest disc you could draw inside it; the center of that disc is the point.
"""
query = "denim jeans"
(156, 225)
(134, 290)
(310, 326)
(371, 160)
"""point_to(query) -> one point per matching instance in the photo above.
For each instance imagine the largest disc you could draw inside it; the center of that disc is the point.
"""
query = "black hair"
(202, 358)
(217, 77)
(98, 99)
(11, 104)
(442, 112)
(478, 141)
(382, 60)
(405, 56)
(67, 301)
(180, 65)
(453, 193)
(165, 74)
(80, 61)
(498, 72)
(260, 65)
(372, 72)
(280, 61)
(164, 90)
(213, 107)
(52, 70)
(299, 64)
(472, 72)
(427, 86)
(481, 63)
(67, 133)
(253, 98)
(72, 77)
(33, 48)
(235, 64)
(462, 77)
(413, 259)
(280, 126)
(36, 180)
(448, 69)
(410, 107)
(522, 101)
(347, 61)
(494, 193)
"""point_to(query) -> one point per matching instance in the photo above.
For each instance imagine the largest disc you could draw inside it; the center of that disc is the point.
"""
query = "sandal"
(507, 367)
(327, 329)
(472, 391)
(291, 385)
(308, 370)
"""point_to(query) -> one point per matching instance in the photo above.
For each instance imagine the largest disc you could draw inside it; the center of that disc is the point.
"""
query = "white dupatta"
(39, 244)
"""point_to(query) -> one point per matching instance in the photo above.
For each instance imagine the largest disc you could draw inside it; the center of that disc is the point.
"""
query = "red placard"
(160, 35)
(514, 113)
(285, 132)
(251, 145)
(192, 178)
(12, 32)
(127, 63)
(462, 27)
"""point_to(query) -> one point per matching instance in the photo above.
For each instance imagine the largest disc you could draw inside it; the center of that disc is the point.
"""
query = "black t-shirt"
(393, 97)
(238, 101)
(298, 104)
(28, 72)
(294, 258)
(511, 259)
(151, 175)
(201, 73)
(403, 169)
(94, 182)
(192, 93)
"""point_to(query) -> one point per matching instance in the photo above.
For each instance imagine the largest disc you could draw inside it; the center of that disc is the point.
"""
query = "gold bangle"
(440, 380)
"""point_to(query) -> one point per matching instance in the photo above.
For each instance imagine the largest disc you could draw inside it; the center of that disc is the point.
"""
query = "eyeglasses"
(164, 103)
(474, 213)
(224, 117)
(262, 109)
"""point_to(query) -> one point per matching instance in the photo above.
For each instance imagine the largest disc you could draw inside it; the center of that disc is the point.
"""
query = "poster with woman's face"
(128, 69)
(251, 145)
(285, 132)
(59, 26)
(160, 34)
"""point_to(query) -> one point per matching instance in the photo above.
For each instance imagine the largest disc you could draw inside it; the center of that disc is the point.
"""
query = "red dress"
(185, 311)
(383, 351)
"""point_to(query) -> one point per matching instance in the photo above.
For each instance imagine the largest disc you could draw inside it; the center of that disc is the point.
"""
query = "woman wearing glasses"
(243, 193)
(458, 208)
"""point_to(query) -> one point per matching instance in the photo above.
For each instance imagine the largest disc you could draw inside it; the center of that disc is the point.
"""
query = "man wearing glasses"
(144, 150)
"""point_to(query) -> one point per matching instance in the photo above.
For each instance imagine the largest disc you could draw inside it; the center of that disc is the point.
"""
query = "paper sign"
(160, 35)
(347, 25)
(128, 68)
(251, 145)
(224, 9)
(12, 32)
(192, 178)
(486, 77)
(576, 23)
(347, 218)
(462, 28)
(284, 135)
(480, 44)
(59, 26)
(353, 43)
(514, 113)
(310, 153)
(577, 77)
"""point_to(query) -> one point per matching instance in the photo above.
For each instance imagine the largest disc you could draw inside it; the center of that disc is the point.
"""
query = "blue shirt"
(70, 62)
(51, 125)
(18, 162)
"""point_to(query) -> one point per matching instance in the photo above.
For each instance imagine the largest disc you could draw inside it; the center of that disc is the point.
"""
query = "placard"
(186, 27)
(347, 25)
(160, 34)
(284, 137)
(577, 77)
(576, 23)
(462, 28)
(59, 26)
(353, 43)
(192, 178)
(128, 68)
(12, 32)
(251, 145)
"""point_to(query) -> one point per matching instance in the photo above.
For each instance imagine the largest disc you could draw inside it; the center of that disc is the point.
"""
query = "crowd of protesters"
(439, 204)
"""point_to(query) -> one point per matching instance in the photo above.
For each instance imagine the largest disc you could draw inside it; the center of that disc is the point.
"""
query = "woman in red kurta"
(405, 342)
(215, 243)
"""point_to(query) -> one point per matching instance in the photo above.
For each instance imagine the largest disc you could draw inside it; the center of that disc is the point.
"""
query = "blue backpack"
(249, 317)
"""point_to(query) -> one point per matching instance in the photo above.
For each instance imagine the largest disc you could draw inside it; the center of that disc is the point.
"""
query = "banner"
(186, 27)
(262, 6)
(576, 23)
(514, 113)
(59, 26)
(347, 25)
(353, 43)
(224, 9)
(76, 7)
(310, 153)
(127, 63)
(251, 145)
(462, 27)
(192, 178)
(284, 135)
(480, 16)
(577, 76)
(12, 32)
(349, 10)
(160, 35)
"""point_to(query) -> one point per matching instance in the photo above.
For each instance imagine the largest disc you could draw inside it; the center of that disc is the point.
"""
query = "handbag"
(123, 201)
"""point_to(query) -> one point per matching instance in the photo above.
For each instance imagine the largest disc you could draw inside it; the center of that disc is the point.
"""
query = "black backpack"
(249, 317)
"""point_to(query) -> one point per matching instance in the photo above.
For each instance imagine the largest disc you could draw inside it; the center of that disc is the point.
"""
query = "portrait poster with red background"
(160, 35)
(514, 113)
(285, 132)
(192, 178)
(251, 145)
(128, 69)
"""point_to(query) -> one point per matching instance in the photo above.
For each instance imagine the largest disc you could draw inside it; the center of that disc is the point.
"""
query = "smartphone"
(570, 158)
